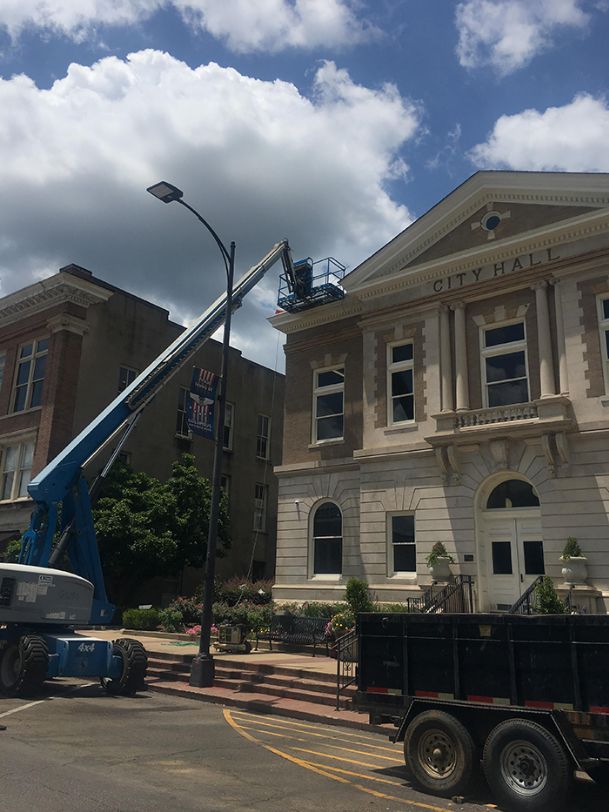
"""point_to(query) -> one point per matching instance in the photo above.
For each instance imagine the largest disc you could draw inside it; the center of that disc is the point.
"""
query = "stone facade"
(93, 329)
(489, 429)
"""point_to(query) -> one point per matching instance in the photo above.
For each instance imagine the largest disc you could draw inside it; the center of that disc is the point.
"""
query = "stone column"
(461, 377)
(446, 364)
(546, 362)
(563, 375)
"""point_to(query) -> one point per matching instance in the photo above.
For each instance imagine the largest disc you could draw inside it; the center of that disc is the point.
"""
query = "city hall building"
(458, 392)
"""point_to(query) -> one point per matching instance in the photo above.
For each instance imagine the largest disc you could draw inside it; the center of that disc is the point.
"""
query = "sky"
(332, 123)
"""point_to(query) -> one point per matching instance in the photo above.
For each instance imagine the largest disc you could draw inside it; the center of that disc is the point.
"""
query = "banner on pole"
(202, 402)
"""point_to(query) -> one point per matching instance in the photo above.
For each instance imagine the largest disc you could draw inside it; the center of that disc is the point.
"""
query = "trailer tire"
(23, 666)
(526, 767)
(135, 663)
(439, 753)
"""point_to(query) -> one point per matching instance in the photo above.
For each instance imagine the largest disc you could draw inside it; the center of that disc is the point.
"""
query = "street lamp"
(203, 668)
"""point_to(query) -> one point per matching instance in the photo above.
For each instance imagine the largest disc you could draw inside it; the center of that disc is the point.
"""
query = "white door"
(514, 557)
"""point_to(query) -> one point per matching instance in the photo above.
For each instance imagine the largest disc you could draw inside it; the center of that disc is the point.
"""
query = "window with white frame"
(31, 368)
(263, 433)
(126, 375)
(327, 540)
(403, 551)
(603, 326)
(229, 423)
(16, 470)
(328, 404)
(504, 364)
(400, 382)
(182, 429)
(260, 502)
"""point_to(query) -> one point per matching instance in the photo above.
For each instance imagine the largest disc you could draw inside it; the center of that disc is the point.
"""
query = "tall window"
(504, 365)
(400, 382)
(16, 470)
(126, 375)
(31, 367)
(328, 404)
(327, 540)
(229, 422)
(182, 414)
(403, 553)
(260, 500)
(603, 325)
(263, 430)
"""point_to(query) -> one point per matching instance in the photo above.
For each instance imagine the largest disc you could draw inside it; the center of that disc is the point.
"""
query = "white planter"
(440, 569)
(574, 570)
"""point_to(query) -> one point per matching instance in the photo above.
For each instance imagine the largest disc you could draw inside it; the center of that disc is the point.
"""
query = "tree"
(147, 528)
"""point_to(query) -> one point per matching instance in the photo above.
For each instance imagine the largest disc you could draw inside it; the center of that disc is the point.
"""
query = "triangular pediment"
(488, 211)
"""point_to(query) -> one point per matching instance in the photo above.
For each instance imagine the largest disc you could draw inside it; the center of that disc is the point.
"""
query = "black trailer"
(526, 696)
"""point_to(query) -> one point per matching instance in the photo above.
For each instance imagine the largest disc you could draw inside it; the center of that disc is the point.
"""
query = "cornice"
(60, 288)
(542, 238)
(315, 316)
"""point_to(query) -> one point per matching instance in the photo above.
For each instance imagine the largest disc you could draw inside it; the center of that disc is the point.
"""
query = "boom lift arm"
(61, 490)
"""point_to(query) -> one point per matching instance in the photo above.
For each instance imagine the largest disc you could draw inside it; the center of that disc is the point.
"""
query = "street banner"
(202, 402)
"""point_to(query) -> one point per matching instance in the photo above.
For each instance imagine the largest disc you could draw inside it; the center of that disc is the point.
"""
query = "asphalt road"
(78, 749)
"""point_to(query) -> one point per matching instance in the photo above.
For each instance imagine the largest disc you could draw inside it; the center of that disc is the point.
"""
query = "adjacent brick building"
(69, 343)
(457, 393)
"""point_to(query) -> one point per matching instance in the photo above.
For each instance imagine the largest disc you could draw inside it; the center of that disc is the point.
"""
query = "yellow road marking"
(270, 733)
(248, 717)
(336, 758)
(357, 775)
(326, 773)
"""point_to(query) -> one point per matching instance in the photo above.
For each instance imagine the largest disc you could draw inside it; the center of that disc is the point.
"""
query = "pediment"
(489, 210)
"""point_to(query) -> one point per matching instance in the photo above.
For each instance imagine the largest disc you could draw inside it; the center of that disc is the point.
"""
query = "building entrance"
(512, 553)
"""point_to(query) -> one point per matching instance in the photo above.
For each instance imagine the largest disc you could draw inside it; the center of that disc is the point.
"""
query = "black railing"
(346, 663)
(526, 603)
(457, 596)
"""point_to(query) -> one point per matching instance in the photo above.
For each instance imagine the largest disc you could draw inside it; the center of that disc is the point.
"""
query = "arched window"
(513, 493)
(327, 540)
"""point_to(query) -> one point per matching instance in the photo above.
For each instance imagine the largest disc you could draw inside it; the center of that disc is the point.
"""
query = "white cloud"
(570, 138)
(258, 158)
(508, 34)
(271, 25)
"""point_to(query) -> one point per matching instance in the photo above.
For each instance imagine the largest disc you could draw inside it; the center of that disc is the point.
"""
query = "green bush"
(546, 598)
(253, 617)
(171, 620)
(189, 609)
(238, 589)
(141, 619)
(357, 596)
(571, 549)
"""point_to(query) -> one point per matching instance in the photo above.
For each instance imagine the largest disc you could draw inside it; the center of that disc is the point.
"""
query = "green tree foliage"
(357, 596)
(546, 598)
(147, 528)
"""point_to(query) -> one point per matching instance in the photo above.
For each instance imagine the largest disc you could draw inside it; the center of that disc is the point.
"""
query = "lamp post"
(203, 668)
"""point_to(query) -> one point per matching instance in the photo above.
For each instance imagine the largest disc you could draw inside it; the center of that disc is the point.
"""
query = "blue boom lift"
(40, 604)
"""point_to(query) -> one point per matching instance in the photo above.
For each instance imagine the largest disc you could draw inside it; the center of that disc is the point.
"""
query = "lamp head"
(166, 192)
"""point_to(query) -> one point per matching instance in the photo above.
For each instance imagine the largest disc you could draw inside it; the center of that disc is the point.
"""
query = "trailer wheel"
(135, 663)
(526, 767)
(439, 753)
(23, 666)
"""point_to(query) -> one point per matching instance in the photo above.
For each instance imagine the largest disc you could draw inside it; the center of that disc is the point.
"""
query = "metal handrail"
(346, 663)
(525, 605)
(454, 597)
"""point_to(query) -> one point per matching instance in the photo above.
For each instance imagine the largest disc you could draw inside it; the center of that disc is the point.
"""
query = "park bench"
(295, 631)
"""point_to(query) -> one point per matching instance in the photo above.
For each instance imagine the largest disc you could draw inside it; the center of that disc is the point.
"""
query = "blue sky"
(333, 123)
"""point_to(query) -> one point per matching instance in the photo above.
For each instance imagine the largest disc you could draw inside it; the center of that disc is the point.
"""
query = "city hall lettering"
(486, 272)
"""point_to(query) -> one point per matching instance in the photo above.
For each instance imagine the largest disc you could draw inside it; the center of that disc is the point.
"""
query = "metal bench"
(296, 631)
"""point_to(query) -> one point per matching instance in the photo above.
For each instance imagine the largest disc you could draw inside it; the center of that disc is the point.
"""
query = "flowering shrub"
(194, 631)
(340, 624)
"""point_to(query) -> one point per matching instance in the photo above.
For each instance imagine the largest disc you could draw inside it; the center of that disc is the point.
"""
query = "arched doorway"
(510, 541)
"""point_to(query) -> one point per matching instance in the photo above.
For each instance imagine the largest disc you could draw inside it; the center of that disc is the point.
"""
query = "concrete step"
(281, 706)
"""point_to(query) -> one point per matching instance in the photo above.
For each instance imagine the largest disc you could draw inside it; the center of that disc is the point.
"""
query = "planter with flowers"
(574, 569)
(439, 562)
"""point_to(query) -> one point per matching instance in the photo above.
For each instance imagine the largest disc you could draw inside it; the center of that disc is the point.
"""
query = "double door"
(514, 557)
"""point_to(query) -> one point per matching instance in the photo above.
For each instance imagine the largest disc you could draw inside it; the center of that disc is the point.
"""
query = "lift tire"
(135, 663)
(440, 754)
(23, 666)
(526, 767)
